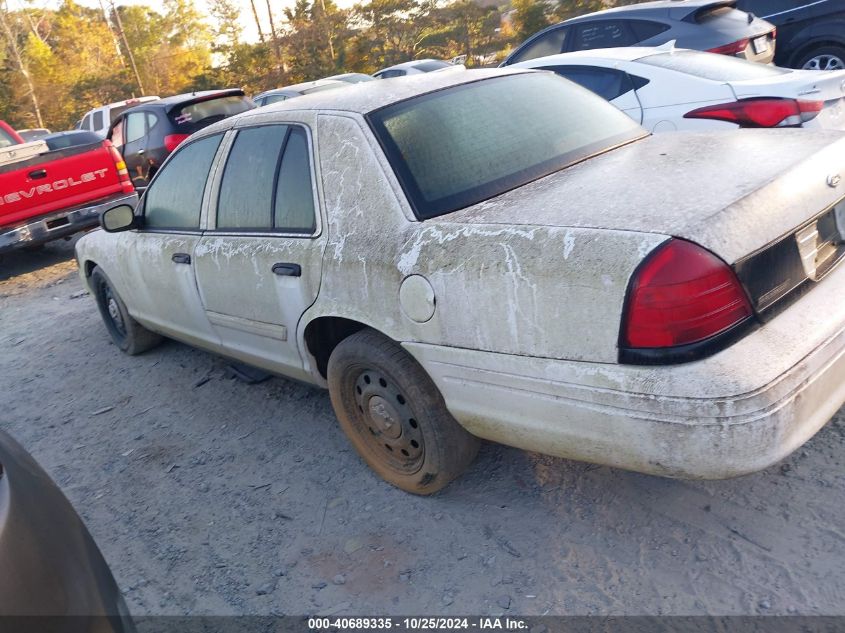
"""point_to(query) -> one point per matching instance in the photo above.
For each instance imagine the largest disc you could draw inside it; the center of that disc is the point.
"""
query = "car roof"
(622, 54)
(652, 9)
(298, 88)
(411, 64)
(365, 97)
(339, 77)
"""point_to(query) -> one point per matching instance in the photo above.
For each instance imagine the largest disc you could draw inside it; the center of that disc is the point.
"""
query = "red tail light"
(172, 141)
(120, 165)
(734, 48)
(761, 112)
(681, 294)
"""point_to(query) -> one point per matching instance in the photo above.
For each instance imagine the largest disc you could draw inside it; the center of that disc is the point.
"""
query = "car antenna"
(667, 46)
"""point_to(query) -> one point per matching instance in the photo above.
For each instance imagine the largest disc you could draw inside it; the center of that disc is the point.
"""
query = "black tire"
(395, 416)
(830, 57)
(129, 335)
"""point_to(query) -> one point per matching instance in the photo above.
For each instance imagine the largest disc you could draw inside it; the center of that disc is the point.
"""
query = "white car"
(99, 120)
(667, 89)
(413, 67)
(539, 272)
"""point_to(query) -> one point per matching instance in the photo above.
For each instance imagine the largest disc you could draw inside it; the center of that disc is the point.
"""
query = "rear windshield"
(710, 66)
(428, 66)
(194, 116)
(6, 139)
(468, 143)
(71, 139)
(309, 91)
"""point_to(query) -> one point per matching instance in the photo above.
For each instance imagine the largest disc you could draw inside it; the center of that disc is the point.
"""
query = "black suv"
(811, 33)
(146, 134)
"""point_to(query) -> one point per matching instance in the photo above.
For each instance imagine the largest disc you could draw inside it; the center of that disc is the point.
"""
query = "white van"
(99, 120)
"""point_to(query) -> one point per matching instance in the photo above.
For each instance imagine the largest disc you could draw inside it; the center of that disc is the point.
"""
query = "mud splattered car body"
(516, 301)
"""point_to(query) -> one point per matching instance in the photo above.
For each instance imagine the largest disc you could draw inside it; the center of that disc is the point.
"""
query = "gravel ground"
(211, 496)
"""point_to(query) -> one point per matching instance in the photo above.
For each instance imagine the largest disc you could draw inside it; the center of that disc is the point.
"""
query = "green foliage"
(530, 16)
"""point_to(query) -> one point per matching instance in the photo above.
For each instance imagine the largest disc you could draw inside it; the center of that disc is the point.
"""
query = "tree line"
(56, 64)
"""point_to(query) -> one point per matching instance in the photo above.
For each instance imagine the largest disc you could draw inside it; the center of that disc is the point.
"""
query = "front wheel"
(394, 415)
(129, 335)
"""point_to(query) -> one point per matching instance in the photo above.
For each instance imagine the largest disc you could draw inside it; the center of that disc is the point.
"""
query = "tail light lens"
(734, 48)
(120, 165)
(172, 141)
(681, 294)
(761, 112)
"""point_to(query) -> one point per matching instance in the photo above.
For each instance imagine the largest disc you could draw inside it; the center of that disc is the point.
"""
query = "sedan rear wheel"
(395, 416)
(825, 58)
(129, 335)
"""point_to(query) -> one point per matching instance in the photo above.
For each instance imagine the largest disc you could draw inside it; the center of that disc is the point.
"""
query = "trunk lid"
(732, 192)
(803, 85)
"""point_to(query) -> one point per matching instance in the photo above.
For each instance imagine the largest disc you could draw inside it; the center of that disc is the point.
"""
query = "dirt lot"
(208, 495)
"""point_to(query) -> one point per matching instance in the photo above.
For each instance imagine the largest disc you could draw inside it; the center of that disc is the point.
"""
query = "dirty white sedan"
(503, 255)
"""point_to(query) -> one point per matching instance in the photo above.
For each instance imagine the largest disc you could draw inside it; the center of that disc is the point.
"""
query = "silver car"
(704, 25)
(539, 271)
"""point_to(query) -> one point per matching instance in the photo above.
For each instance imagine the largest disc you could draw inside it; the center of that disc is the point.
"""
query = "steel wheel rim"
(824, 62)
(112, 309)
(386, 423)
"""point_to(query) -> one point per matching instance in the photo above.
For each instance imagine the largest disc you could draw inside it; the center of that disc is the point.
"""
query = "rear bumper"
(736, 412)
(60, 223)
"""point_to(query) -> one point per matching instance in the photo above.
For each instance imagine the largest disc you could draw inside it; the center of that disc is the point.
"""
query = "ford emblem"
(833, 180)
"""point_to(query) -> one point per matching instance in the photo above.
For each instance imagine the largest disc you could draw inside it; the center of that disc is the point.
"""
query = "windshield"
(711, 66)
(471, 142)
(194, 116)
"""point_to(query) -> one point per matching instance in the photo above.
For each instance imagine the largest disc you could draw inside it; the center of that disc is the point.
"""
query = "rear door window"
(246, 191)
(174, 198)
(550, 43)
(605, 82)
(266, 183)
(602, 34)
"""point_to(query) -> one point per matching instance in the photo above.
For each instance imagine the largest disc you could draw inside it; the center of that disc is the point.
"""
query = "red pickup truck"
(61, 190)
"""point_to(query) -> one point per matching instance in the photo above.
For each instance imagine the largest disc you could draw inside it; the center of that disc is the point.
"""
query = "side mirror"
(117, 219)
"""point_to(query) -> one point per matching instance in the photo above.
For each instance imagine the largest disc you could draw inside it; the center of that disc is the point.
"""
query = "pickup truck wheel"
(394, 415)
(129, 335)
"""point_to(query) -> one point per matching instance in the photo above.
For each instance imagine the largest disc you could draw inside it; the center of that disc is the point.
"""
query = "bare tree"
(129, 54)
(257, 21)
